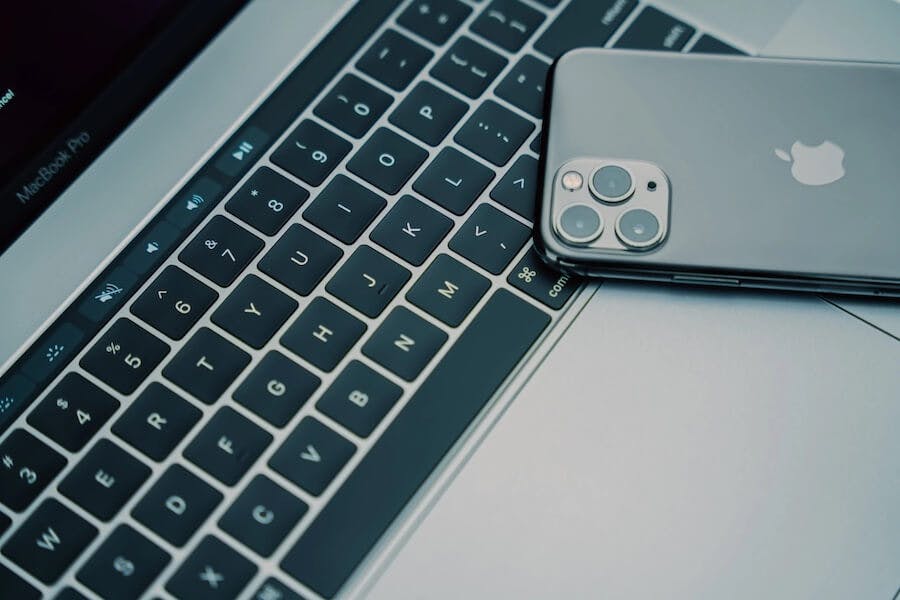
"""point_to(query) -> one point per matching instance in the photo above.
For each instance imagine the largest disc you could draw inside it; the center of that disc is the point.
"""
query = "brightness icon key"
(55, 348)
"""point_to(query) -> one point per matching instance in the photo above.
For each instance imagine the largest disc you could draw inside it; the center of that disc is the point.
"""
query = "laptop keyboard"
(282, 382)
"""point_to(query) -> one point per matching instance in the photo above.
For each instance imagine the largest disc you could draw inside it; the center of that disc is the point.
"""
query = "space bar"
(410, 449)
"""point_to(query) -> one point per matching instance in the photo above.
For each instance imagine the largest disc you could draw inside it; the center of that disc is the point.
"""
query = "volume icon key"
(194, 202)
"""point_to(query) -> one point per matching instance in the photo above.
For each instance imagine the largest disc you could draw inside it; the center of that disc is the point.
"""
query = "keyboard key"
(272, 589)
(394, 60)
(468, 67)
(124, 565)
(494, 133)
(535, 278)
(254, 311)
(73, 412)
(16, 587)
(490, 239)
(104, 479)
(212, 571)
(655, 30)
(52, 351)
(411, 230)
(517, 190)
(300, 259)
(124, 356)
(157, 421)
(387, 160)
(344, 209)
(206, 365)
(27, 465)
(174, 302)
(221, 251)
(323, 334)
(227, 446)
(428, 113)
(508, 23)
(404, 343)
(424, 430)
(262, 515)
(241, 150)
(312, 456)
(453, 180)
(109, 294)
(49, 541)
(448, 290)
(276, 389)
(191, 206)
(434, 20)
(709, 45)
(368, 281)
(584, 23)
(311, 152)
(266, 201)
(353, 105)
(69, 594)
(176, 505)
(525, 84)
(359, 398)
(154, 246)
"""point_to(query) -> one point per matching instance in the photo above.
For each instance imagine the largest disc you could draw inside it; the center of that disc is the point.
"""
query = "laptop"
(273, 329)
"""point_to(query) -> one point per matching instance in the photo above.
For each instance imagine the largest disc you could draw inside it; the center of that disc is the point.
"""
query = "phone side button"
(705, 280)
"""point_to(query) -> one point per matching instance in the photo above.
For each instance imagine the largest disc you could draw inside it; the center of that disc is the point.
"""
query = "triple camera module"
(632, 195)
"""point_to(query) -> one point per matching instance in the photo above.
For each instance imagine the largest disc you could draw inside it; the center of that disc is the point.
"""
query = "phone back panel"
(713, 124)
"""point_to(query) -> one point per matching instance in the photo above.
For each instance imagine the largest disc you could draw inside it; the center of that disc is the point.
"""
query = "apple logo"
(814, 165)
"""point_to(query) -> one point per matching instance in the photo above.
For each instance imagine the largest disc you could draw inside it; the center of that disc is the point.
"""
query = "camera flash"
(572, 180)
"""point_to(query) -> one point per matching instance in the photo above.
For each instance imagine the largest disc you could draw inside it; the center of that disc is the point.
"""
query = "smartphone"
(723, 170)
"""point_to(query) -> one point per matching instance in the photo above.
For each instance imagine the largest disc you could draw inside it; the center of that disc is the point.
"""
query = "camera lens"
(638, 228)
(580, 224)
(612, 183)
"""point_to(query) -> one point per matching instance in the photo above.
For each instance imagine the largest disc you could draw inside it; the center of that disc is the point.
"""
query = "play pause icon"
(242, 150)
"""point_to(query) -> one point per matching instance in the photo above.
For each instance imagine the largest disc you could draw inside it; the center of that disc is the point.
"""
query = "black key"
(276, 389)
(344, 209)
(387, 160)
(311, 152)
(494, 133)
(254, 311)
(272, 589)
(15, 587)
(124, 565)
(300, 259)
(52, 351)
(154, 246)
(525, 84)
(104, 479)
(227, 446)
(394, 60)
(124, 356)
(69, 594)
(73, 412)
(408, 451)
(243, 149)
(262, 515)
(108, 295)
(156, 421)
(535, 278)
(368, 281)
(312, 455)
(508, 23)
(49, 541)
(404, 343)
(453, 180)
(468, 67)
(221, 250)
(16, 391)
(411, 230)
(266, 201)
(176, 505)
(707, 44)
(655, 30)
(428, 113)
(353, 105)
(206, 365)
(434, 20)
(517, 190)
(192, 205)
(323, 334)
(359, 398)
(27, 465)
(490, 239)
(448, 290)
(174, 302)
(212, 571)
(584, 23)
